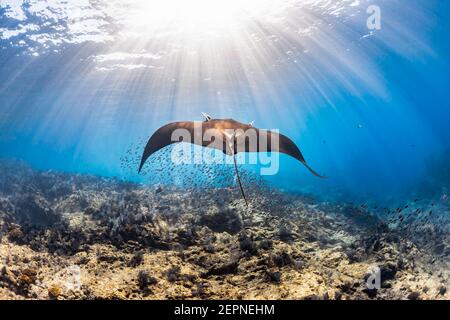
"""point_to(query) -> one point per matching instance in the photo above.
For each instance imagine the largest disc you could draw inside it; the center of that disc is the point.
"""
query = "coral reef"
(65, 236)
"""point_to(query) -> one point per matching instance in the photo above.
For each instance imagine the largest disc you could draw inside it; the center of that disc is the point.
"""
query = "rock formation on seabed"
(65, 236)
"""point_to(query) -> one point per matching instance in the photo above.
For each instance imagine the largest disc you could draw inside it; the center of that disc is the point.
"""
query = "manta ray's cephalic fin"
(207, 116)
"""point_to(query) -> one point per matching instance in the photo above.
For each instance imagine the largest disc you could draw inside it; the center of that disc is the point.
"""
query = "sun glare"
(198, 14)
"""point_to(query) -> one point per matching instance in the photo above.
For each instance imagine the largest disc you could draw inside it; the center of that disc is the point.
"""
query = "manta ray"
(228, 135)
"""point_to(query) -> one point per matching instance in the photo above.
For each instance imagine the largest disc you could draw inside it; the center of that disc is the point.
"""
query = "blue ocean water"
(82, 83)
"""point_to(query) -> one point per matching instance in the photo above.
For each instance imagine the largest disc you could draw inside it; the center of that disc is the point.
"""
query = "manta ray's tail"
(239, 179)
(231, 147)
(312, 170)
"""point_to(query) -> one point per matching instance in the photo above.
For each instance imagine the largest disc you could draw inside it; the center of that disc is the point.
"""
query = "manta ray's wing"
(201, 133)
(270, 141)
(170, 133)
